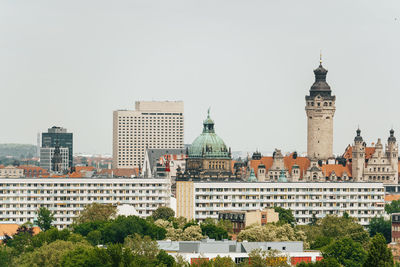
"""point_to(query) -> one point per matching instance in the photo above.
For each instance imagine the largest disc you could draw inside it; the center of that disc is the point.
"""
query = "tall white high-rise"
(153, 124)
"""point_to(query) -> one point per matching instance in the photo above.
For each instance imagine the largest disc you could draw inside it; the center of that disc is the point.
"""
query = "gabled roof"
(339, 169)
(348, 153)
(302, 162)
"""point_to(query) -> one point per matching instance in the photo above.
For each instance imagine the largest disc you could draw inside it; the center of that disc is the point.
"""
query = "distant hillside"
(18, 151)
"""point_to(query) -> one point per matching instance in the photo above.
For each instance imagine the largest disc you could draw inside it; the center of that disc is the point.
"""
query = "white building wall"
(154, 124)
(66, 197)
(360, 200)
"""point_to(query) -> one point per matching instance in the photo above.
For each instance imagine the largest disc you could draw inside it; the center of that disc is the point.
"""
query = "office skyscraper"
(58, 135)
(153, 124)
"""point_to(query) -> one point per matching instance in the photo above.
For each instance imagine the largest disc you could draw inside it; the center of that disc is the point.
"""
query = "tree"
(5, 256)
(49, 254)
(164, 213)
(285, 216)
(330, 262)
(163, 259)
(213, 231)
(262, 258)
(44, 219)
(313, 220)
(179, 222)
(222, 262)
(192, 233)
(272, 232)
(96, 212)
(226, 225)
(116, 230)
(378, 253)
(346, 251)
(50, 236)
(380, 225)
(393, 207)
(94, 237)
(142, 246)
(334, 227)
(21, 241)
(86, 257)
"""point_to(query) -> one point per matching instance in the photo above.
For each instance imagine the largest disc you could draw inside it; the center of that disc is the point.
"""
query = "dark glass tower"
(59, 135)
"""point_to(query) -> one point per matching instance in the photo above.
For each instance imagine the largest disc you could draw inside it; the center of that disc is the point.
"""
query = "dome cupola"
(320, 85)
(208, 144)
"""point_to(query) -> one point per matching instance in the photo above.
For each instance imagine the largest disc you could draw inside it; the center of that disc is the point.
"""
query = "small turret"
(358, 137)
(391, 138)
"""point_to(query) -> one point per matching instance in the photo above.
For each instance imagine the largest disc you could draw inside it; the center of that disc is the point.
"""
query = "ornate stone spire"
(391, 137)
(358, 137)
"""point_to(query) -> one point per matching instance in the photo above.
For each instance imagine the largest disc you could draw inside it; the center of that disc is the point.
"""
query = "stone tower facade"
(392, 151)
(320, 109)
(358, 157)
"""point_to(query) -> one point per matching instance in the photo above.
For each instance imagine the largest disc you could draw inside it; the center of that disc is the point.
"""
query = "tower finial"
(208, 112)
(320, 57)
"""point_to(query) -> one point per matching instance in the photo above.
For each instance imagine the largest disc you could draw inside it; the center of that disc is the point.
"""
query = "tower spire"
(320, 57)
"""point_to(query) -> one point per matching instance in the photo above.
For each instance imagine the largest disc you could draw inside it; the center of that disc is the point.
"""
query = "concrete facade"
(153, 124)
(66, 197)
(362, 201)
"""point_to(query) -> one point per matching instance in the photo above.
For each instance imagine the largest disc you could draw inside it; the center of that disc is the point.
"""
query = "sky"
(71, 63)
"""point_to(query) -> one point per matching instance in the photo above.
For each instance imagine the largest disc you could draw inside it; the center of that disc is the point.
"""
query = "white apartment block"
(46, 156)
(66, 197)
(153, 124)
(201, 200)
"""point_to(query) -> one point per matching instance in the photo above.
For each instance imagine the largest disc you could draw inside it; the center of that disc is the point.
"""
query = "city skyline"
(253, 66)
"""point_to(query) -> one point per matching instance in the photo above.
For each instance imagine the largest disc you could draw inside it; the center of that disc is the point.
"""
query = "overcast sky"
(71, 63)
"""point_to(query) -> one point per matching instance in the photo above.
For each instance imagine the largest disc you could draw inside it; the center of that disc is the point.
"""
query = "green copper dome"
(208, 144)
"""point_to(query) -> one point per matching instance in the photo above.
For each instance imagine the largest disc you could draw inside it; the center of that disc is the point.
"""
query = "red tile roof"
(348, 153)
(289, 162)
(121, 172)
(84, 168)
(390, 198)
(31, 170)
(339, 169)
(10, 229)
